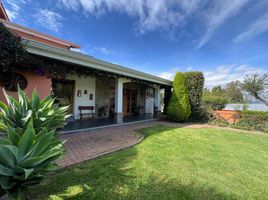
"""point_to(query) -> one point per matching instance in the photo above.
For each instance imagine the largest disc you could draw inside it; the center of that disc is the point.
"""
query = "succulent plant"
(31, 143)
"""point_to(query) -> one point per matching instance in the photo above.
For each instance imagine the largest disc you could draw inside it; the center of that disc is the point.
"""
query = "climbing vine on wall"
(12, 52)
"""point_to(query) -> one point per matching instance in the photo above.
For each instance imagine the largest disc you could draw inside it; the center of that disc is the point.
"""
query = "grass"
(170, 163)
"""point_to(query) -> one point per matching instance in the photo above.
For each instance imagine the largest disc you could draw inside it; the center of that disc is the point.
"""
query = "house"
(102, 89)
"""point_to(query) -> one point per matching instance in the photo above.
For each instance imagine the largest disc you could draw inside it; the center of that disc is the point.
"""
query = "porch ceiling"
(40, 49)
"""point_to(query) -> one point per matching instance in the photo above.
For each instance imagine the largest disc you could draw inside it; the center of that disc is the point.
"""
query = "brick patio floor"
(83, 146)
(87, 145)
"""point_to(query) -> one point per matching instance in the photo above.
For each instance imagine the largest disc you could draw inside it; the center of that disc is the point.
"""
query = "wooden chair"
(91, 112)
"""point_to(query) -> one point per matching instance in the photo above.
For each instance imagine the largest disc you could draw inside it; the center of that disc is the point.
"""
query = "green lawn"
(170, 163)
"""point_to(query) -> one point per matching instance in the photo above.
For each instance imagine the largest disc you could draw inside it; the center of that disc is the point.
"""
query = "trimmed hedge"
(179, 108)
(195, 82)
(167, 96)
(249, 120)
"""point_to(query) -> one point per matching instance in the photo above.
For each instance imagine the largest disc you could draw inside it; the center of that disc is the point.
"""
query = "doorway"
(129, 101)
(64, 92)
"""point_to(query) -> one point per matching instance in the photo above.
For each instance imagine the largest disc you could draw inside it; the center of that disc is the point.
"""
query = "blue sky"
(224, 39)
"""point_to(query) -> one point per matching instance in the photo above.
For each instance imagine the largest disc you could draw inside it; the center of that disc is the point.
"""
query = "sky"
(225, 39)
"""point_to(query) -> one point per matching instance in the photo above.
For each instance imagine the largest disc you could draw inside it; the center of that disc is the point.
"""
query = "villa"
(97, 90)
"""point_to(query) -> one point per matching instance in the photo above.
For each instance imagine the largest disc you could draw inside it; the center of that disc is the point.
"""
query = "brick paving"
(87, 145)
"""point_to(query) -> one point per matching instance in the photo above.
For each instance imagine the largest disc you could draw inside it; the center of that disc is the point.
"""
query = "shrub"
(195, 83)
(31, 143)
(167, 96)
(179, 108)
(253, 120)
(249, 120)
(43, 113)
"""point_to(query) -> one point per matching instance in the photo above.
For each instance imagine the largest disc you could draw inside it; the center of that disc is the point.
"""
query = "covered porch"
(105, 101)
(99, 93)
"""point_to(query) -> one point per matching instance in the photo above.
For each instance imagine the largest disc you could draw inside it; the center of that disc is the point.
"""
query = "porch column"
(157, 101)
(119, 83)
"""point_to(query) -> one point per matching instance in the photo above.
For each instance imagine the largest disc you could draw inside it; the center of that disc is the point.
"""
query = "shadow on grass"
(117, 176)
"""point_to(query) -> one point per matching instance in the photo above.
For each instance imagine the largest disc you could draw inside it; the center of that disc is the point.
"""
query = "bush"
(179, 108)
(195, 83)
(214, 102)
(43, 113)
(31, 143)
(167, 96)
(253, 120)
(249, 120)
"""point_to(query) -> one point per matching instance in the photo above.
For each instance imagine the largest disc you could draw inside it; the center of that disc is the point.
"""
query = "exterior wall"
(83, 83)
(41, 83)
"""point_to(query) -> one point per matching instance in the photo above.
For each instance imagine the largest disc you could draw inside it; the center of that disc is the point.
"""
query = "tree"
(215, 98)
(179, 108)
(233, 92)
(217, 90)
(256, 85)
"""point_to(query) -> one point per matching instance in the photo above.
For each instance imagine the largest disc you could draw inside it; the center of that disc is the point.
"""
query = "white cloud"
(217, 14)
(15, 4)
(49, 19)
(103, 50)
(167, 75)
(69, 4)
(14, 8)
(171, 73)
(93, 50)
(12, 15)
(165, 15)
(222, 74)
(258, 27)
(151, 15)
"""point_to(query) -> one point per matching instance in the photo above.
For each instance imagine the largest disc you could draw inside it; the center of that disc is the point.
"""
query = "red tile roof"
(30, 34)
(3, 14)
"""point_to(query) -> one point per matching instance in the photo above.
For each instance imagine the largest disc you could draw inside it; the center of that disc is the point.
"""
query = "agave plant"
(43, 113)
(31, 144)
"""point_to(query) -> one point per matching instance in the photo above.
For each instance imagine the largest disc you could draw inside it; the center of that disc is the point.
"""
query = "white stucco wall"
(83, 83)
(149, 105)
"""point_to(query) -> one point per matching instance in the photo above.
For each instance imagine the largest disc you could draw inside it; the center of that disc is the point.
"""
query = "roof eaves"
(23, 29)
(88, 61)
(4, 11)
